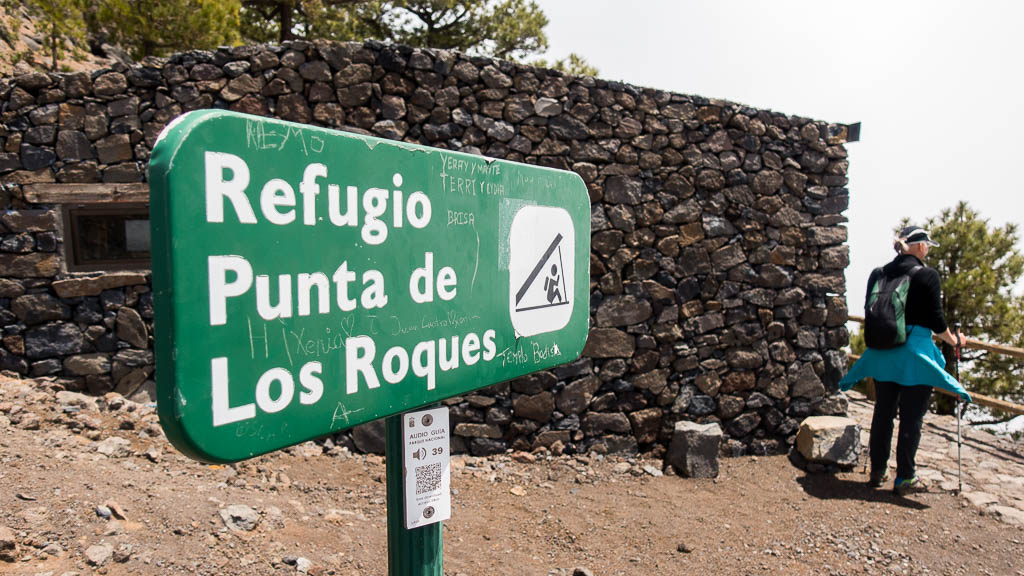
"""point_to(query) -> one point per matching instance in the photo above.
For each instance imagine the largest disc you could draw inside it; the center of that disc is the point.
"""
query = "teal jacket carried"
(916, 363)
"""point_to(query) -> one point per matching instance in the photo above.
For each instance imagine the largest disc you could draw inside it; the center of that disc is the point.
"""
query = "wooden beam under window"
(136, 193)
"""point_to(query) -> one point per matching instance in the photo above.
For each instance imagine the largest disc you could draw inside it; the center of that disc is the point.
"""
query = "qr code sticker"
(428, 478)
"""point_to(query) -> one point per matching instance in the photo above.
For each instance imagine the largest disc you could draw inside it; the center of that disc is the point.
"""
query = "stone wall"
(717, 252)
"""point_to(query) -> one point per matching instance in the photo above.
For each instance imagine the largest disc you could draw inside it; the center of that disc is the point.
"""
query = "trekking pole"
(956, 371)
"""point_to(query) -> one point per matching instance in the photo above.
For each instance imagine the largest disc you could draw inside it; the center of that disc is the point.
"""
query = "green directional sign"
(309, 280)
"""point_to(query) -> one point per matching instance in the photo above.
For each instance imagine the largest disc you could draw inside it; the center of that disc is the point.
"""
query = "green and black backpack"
(884, 323)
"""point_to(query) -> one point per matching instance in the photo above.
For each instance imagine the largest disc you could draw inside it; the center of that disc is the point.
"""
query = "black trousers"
(912, 403)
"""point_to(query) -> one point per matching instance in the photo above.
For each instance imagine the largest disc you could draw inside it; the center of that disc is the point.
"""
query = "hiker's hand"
(955, 340)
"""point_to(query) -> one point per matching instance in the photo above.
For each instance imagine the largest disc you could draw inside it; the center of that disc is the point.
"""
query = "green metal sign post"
(308, 280)
(411, 552)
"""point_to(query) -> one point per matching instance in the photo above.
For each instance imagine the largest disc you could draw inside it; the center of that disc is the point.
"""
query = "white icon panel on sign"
(541, 256)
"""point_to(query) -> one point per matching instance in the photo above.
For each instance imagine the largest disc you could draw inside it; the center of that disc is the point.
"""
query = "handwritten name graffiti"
(461, 176)
(259, 137)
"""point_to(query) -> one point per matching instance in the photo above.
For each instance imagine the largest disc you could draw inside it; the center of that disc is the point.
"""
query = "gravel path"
(992, 467)
(91, 486)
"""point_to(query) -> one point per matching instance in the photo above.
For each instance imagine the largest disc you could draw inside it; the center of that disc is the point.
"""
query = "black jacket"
(924, 299)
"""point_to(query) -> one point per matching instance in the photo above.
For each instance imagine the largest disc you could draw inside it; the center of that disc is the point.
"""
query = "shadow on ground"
(829, 487)
(981, 441)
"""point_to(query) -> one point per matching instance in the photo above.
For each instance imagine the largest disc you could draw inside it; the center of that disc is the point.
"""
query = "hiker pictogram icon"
(551, 285)
(553, 289)
(541, 251)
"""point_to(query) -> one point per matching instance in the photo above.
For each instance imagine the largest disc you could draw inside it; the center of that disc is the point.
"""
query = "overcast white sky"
(939, 87)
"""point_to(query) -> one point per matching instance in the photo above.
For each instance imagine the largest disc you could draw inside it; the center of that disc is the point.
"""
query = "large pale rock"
(240, 518)
(694, 449)
(99, 554)
(829, 440)
(115, 447)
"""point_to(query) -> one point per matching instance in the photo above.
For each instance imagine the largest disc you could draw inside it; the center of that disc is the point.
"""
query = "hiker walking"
(902, 312)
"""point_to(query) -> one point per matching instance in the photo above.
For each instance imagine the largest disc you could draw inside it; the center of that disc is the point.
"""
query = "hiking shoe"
(878, 479)
(915, 485)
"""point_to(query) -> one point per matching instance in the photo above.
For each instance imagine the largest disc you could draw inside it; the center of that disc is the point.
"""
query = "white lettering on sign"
(361, 351)
(265, 400)
(278, 203)
(309, 190)
(223, 412)
(372, 296)
(274, 391)
(424, 277)
(217, 188)
(221, 289)
(312, 386)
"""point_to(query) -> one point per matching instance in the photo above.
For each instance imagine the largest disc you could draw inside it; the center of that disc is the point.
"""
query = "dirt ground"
(74, 502)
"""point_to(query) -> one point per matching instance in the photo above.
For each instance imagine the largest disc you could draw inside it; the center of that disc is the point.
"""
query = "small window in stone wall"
(106, 237)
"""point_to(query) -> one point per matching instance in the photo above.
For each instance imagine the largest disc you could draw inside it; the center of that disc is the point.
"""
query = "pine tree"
(282, 20)
(504, 29)
(61, 22)
(572, 64)
(158, 27)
